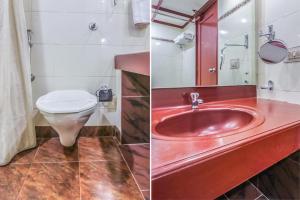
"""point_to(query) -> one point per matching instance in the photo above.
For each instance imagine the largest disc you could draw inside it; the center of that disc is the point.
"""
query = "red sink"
(204, 123)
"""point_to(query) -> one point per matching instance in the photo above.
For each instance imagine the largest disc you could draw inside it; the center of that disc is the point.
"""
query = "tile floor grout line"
(29, 168)
(61, 162)
(137, 144)
(78, 153)
(97, 136)
(55, 162)
(226, 196)
(259, 196)
(130, 171)
(104, 136)
(116, 140)
(257, 189)
(266, 197)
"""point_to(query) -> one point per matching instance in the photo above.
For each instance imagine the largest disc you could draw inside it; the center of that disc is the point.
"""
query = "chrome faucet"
(195, 100)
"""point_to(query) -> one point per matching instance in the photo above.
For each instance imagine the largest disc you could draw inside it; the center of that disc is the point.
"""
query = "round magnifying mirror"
(273, 52)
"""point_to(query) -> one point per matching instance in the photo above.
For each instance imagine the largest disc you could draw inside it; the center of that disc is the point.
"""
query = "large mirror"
(203, 43)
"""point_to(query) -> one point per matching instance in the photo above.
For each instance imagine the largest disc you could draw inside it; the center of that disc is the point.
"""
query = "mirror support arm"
(270, 35)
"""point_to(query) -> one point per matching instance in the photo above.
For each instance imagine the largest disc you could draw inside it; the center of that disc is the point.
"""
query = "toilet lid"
(66, 101)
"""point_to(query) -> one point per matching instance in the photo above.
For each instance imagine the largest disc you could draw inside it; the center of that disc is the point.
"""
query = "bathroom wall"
(244, 19)
(284, 16)
(189, 59)
(67, 55)
(172, 66)
(166, 57)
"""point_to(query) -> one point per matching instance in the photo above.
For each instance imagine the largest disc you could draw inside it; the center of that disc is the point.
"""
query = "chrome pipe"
(32, 77)
(29, 37)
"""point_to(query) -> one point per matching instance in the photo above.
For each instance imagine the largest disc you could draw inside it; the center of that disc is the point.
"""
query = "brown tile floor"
(137, 157)
(92, 169)
(280, 181)
(245, 191)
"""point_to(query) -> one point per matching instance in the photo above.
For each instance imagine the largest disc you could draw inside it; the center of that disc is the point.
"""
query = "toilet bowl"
(67, 111)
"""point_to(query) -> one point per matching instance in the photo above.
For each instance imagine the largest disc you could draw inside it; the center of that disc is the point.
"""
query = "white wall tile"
(88, 60)
(77, 60)
(57, 28)
(88, 6)
(27, 5)
(170, 63)
(28, 19)
(41, 86)
(165, 48)
(278, 74)
(60, 28)
(67, 55)
(273, 10)
(162, 31)
(284, 17)
(43, 60)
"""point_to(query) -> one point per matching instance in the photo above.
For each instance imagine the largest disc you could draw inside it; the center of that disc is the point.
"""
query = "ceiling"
(176, 13)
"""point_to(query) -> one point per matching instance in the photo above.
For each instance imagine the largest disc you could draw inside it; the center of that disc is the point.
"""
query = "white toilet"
(67, 111)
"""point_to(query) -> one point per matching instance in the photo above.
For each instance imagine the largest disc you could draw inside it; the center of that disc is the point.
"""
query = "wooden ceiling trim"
(156, 9)
(172, 11)
(167, 23)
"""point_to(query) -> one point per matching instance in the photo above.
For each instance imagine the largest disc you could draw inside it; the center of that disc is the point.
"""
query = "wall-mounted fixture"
(195, 100)
(273, 51)
(246, 45)
(270, 86)
(270, 35)
(115, 2)
(29, 36)
(32, 77)
(104, 94)
(93, 26)
(184, 39)
(293, 55)
(235, 63)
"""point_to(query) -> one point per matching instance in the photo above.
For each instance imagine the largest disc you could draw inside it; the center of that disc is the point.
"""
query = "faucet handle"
(200, 101)
(195, 95)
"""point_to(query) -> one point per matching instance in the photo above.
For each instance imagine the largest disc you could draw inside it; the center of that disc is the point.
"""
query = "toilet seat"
(66, 101)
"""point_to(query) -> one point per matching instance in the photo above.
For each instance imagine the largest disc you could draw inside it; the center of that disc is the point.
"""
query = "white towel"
(141, 12)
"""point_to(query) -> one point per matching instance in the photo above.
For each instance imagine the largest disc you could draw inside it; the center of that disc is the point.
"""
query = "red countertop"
(174, 157)
(169, 155)
(137, 63)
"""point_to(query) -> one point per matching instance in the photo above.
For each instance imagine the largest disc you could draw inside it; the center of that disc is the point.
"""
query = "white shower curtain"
(16, 124)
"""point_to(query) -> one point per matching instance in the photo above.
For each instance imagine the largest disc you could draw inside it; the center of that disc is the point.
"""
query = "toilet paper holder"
(104, 94)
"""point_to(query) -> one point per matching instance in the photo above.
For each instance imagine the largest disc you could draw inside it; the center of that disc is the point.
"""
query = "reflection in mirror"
(203, 42)
(273, 52)
(237, 55)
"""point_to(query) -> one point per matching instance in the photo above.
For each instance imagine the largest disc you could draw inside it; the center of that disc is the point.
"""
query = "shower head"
(223, 49)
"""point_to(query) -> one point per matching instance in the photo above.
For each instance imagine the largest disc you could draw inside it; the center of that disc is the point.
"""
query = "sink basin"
(206, 123)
